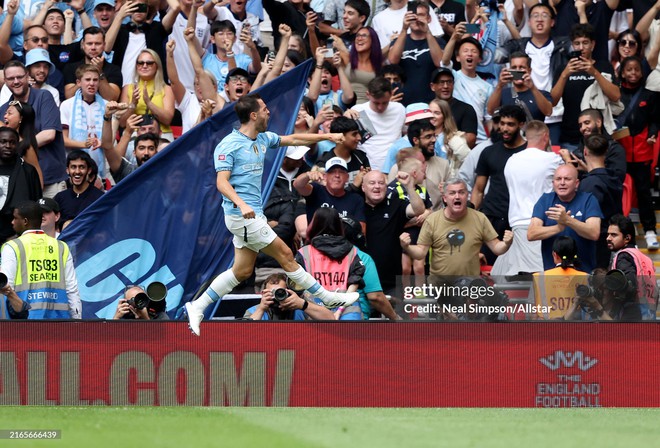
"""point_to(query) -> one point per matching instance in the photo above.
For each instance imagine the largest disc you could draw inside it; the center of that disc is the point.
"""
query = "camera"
(329, 50)
(140, 301)
(147, 120)
(517, 74)
(142, 7)
(320, 17)
(280, 294)
(412, 7)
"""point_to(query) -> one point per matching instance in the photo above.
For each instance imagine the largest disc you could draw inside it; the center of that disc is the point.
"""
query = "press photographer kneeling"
(144, 305)
(628, 291)
(280, 303)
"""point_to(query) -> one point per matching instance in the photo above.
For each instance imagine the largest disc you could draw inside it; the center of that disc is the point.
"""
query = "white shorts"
(255, 234)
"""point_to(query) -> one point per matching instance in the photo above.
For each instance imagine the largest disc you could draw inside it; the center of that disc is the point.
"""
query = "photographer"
(293, 307)
(136, 304)
(628, 291)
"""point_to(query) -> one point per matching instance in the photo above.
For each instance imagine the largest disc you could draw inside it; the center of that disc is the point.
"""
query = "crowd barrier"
(363, 364)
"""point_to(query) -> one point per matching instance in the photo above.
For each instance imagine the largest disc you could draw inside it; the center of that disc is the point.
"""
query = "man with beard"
(387, 216)
(566, 211)
(82, 193)
(495, 205)
(47, 125)
(19, 181)
(93, 46)
(456, 234)
(82, 116)
(590, 122)
(421, 134)
(39, 67)
(238, 160)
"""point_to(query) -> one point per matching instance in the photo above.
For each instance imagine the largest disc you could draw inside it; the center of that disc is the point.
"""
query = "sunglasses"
(148, 63)
(16, 104)
(627, 43)
(36, 40)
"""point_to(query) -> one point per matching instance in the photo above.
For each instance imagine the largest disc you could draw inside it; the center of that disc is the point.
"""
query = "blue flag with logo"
(164, 222)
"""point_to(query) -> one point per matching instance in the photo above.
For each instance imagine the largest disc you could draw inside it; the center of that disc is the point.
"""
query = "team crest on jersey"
(263, 149)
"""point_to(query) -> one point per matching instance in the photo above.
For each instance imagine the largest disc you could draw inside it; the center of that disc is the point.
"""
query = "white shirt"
(388, 22)
(181, 58)
(190, 110)
(9, 266)
(528, 175)
(474, 91)
(136, 43)
(387, 125)
(542, 74)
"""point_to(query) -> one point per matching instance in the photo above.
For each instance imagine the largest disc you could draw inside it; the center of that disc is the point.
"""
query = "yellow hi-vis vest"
(40, 275)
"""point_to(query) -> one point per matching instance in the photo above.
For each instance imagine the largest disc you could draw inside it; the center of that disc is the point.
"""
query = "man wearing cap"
(333, 194)
(238, 84)
(39, 67)
(47, 125)
(39, 269)
(418, 53)
(386, 116)
(127, 40)
(414, 112)
(356, 160)
(19, 181)
(442, 84)
(50, 215)
(93, 46)
(103, 14)
(281, 208)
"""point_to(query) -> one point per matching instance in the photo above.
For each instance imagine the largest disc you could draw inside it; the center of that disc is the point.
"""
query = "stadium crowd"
(473, 134)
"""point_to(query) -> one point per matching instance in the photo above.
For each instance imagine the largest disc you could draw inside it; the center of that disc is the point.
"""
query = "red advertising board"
(389, 364)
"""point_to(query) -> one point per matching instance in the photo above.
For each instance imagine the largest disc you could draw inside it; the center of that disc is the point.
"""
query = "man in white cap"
(332, 194)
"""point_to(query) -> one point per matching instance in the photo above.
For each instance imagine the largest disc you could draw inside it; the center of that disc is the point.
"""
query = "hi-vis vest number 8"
(40, 279)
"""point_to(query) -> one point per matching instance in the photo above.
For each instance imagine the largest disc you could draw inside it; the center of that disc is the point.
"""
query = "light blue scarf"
(81, 129)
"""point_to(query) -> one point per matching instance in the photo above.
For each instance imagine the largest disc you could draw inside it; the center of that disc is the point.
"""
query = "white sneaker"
(194, 318)
(651, 240)
(341, 299)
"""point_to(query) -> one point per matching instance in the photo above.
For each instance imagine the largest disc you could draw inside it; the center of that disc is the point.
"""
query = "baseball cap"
(104, 2)
(296, 152)
(335, 161)
(417, 111)
(38, 55)
(49, 205)
(238, 71)
(441, 71)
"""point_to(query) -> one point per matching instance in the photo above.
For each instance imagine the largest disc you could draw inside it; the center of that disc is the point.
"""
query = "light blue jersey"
(244, 158)
(220, 69)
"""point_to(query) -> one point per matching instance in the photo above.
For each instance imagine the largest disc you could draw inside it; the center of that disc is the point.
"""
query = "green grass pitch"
(143, 427)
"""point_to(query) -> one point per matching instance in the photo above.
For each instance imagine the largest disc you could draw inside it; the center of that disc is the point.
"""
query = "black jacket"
(24, 185)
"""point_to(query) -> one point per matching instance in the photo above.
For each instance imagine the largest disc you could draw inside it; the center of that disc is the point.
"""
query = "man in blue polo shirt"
(566, 211)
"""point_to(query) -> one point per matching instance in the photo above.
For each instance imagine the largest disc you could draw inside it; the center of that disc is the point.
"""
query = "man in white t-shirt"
(388, 22)
(468, 86)
(528, 175)
(386, 117)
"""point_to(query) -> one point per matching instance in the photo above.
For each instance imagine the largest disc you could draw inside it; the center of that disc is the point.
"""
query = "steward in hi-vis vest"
(40, 274)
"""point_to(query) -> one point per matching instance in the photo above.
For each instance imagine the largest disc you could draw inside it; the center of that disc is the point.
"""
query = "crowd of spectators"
(468, 129)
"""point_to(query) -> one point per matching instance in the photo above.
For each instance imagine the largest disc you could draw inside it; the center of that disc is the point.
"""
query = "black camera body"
(280, 294)
(139, 302)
